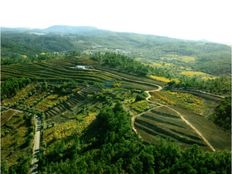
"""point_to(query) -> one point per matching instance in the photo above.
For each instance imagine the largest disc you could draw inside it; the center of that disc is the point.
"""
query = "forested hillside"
(84, 100)
(202, 56)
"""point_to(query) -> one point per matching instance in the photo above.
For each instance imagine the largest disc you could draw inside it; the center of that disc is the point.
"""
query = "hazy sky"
(187, 19)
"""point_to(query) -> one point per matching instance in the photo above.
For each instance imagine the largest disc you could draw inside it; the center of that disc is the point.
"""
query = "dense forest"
(222, 115)
(121, 62)
(10, 87)
(219, 85)
(114, 148)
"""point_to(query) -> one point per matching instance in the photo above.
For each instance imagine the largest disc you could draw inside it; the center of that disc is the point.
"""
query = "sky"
(185, 19)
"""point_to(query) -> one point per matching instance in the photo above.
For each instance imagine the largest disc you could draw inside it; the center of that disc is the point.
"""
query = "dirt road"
(195, 129)
(180, 115)
(36, 146)
(147, 98)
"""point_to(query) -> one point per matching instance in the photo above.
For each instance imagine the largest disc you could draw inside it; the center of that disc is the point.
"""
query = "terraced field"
(68, 99)
(62, 70)
(16, 138)
(162, 122)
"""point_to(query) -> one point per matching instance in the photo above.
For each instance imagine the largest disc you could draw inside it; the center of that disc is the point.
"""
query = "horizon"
(191, 40)
(193, 20)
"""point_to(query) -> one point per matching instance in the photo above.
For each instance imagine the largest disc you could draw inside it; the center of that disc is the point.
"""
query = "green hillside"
(208, 57)
(84, 100)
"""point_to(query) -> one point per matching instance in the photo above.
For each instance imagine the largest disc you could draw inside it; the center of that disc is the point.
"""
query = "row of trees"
(221, 85)
(10, 87)
(121, 62)
(110, 146)
(222, 116)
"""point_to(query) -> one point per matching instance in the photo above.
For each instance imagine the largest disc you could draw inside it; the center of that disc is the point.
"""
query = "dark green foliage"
(15, 44)
(114, 148)
(219, 85)
(141, 96)
(114, 124)
(121, 62)
(210, 57)
(109, 145)
(222, 115)
(23, 166)
(11, 86)
(4, 167)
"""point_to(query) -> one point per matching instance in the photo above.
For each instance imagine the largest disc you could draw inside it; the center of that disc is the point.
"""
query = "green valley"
(84, 100)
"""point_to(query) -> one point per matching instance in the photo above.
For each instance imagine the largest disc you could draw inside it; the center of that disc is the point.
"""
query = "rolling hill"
(208, 57)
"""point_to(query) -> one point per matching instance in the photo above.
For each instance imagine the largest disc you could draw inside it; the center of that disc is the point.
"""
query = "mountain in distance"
(59, 38)
(58, 29)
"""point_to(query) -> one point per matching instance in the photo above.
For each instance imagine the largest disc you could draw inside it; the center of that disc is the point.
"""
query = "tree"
(222, 115)
(4, 167)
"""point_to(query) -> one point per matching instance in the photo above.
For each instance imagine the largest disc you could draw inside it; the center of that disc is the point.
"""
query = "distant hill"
(209, 57)
(69, 29)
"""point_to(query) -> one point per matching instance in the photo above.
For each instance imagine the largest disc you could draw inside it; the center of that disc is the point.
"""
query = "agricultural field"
(7, 115)
(175, 58)
(161, 122)
(187, 101)
(67, 104)
(68, 101)
(219, 138)
(199, 74)
(160, 78)
(16, 139)
(86, 100)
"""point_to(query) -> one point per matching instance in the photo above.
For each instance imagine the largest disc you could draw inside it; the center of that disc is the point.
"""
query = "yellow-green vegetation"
(16, 139)
(198, 74)
(159, 78)
(156, 64)
(160, 64)
(140, 106)
(30, 100)
(184, 100)
(187, 59)
(50, 101)
(62, 130)
(6, 115)
(163, 79)
(20, 94)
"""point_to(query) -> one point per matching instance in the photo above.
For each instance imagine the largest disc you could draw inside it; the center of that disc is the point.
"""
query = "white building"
(81, 67)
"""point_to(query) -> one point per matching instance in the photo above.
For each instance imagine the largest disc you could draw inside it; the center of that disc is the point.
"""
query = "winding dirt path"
(180, 115)
(147, 98)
